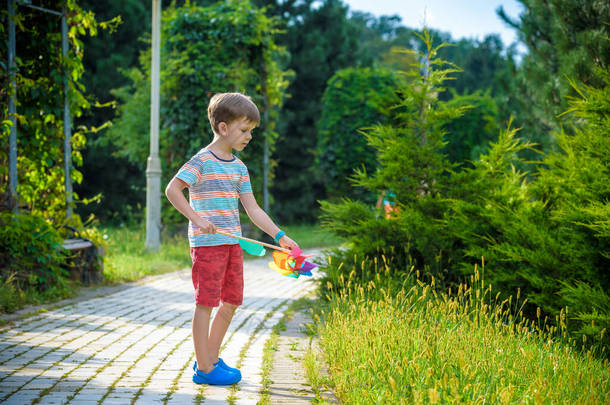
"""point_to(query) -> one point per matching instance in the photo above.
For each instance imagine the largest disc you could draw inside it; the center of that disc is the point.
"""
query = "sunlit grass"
(416, 346)
(312, 236)
(128, 259)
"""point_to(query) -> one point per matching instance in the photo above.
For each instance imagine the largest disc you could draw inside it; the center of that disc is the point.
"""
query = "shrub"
(469, 135)
(548, 236)
(31, 257)
(40, 75)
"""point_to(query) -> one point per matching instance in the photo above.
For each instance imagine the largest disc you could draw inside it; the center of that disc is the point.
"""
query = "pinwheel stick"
(270, 246)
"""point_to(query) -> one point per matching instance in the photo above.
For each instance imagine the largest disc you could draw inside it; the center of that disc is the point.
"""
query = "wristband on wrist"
(279, 236)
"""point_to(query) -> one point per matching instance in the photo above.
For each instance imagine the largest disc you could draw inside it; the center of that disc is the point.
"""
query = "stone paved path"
(288, 373)
(289, 383)
(134, 346)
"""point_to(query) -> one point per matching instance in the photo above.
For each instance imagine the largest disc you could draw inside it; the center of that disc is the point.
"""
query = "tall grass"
(415, 345)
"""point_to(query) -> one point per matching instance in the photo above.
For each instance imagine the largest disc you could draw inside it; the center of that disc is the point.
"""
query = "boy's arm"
(262, 220)
(173, 191)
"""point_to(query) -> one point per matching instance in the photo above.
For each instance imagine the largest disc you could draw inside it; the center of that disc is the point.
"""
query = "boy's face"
(238, 133)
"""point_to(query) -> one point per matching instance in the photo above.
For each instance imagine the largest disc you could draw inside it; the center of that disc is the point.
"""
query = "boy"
(216, 179)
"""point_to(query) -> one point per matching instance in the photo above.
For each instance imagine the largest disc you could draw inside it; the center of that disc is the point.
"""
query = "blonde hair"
(228, 107)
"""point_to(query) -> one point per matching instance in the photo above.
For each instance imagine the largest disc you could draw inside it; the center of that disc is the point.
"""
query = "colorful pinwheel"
(289, 263)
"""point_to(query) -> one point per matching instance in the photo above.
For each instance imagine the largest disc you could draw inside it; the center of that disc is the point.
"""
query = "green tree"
(224, 47)
(574, 185)
(566, 40)
(353, 100)
(376, 36)
(320, 41)
(548, 236)
(353, 39)
(469, 135)
(412, 165)
(31, 255)
(482, 62)
(105, 57)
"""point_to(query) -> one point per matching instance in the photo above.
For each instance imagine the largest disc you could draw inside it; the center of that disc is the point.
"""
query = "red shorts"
(218, 274)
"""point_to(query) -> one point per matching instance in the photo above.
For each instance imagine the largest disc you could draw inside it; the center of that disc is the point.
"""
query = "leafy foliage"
(320, 41)
(548, 237)
(31, 257)
(350, 39)
(30, 253)
(411, 164)
(228, 46)
(40, 96)
(544, 233)
(567, 40)
(105, 57)
(353, 99)
(574, 185)
(469, 135)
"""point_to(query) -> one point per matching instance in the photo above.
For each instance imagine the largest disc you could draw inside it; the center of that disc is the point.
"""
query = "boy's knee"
(229, 308)
(203, 309)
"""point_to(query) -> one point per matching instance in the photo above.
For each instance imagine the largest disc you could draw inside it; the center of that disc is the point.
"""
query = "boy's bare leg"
(201, 325)
(220, 324)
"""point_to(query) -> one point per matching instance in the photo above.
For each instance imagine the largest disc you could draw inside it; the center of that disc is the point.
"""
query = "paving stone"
(288, 374)
(40, 383)
(80, 398)
(136, 341)
(67, 386)
(55, 398)
(21, 397)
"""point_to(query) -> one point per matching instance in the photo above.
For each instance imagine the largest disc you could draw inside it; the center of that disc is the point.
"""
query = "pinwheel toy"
(287, 262)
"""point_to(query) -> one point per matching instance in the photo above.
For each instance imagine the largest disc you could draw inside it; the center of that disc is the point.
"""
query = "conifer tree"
(412, 166)
(575, 185)
(566, 40)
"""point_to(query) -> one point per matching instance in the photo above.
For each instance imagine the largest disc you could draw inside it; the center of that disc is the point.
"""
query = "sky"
(461, 18)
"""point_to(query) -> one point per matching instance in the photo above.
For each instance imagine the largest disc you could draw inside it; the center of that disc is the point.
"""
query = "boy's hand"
(288, 243)
(205, 225)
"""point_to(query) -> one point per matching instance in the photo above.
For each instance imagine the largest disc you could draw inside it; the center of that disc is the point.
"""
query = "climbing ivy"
(40, 100)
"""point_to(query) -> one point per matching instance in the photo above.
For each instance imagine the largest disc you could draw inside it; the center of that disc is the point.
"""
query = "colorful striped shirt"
(214, 188)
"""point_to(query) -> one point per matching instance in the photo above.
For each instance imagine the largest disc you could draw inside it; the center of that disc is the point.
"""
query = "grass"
(127, 258)
(311, 360)
(419, 346)
(13, 298)
(311, 236)
(268, 353)
(312, 363)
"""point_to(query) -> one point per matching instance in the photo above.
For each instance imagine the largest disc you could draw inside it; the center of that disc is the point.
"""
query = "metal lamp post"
(153, 167)
(67, 118)
(12, 110)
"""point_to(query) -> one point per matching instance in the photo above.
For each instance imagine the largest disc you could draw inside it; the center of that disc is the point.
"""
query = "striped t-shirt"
(214, 188)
